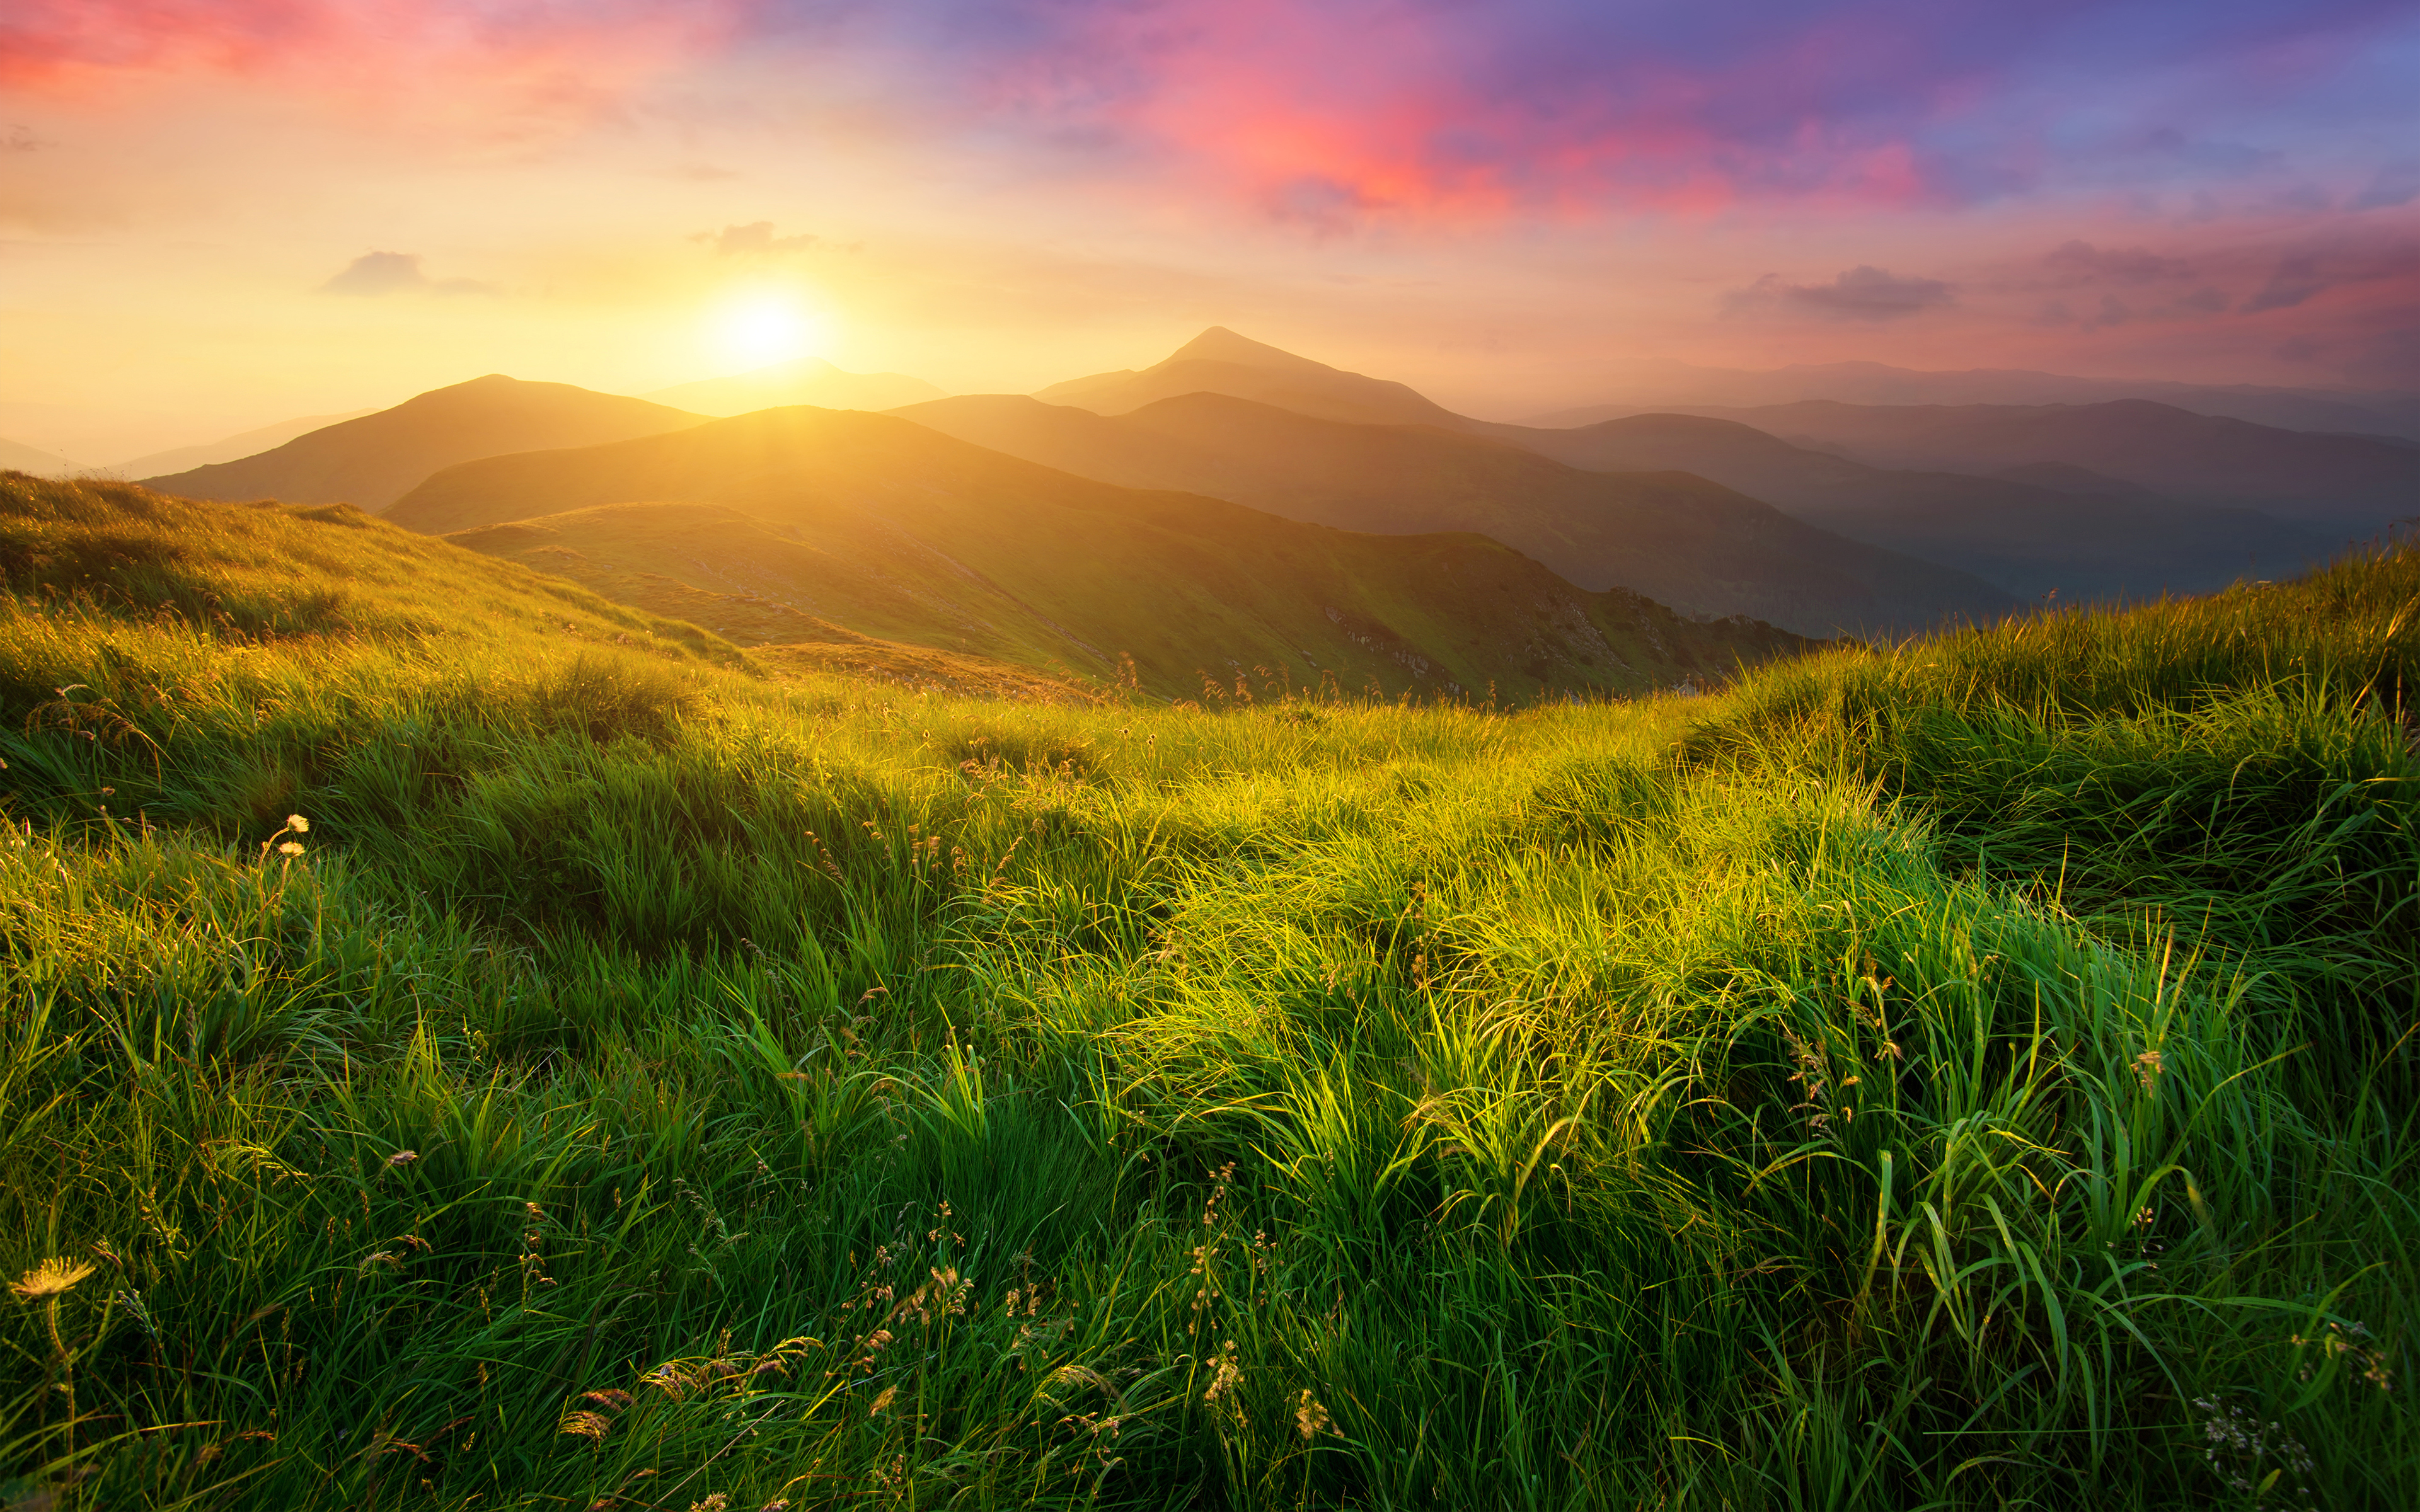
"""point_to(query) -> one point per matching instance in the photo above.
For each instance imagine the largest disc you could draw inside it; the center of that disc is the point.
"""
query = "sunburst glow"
(764, 326)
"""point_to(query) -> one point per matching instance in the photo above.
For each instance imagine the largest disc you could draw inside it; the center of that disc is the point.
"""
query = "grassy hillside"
(372, 461)
(1980, 1075)
(2086, 534)
(904, 535)
(1678, 539)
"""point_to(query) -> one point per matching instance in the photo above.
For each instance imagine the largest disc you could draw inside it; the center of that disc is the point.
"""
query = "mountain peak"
(1221, 345)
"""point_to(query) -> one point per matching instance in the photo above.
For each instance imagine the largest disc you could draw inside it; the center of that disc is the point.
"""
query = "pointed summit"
(1221, 345)
(1220, 361)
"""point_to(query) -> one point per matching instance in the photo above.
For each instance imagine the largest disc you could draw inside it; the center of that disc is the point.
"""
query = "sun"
(761, 327)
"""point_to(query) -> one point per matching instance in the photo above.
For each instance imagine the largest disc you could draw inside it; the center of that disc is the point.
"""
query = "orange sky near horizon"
(217, 215)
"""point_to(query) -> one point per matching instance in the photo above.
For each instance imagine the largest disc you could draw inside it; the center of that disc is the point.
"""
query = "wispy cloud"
(2124, 265)
(396, 273)
(756, 239)
(1862, 293)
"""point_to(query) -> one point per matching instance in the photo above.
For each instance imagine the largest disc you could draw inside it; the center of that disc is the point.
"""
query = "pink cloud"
(485, 69)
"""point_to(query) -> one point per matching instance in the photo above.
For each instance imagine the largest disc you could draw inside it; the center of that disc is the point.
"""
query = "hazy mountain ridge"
(19, 457)
(2092, 536)
(2332, 479)
(372, 461)
(897, 531)
(1672, 385)
(233, 448)
(1678, 539)
(2017, 518)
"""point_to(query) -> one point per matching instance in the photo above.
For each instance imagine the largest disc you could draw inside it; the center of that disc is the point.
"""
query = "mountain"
(2048, 526)
(376, 459)
(1670, 386)
(2354, 482)
(892, 530)
(2024, 523)
(230, 448)
(16, 456)
(807, 380)
(1220, 361)
(1680, 540)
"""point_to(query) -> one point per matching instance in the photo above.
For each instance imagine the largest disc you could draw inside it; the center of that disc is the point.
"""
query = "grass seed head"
(589, 1426)
(1309, 1416)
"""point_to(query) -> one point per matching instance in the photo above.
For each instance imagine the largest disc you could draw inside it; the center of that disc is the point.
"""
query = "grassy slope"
(1678, 539)
(1963, 1076)
(372, 461)
(902, 533)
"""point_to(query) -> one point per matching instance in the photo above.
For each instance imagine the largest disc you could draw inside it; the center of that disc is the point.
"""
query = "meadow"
(470, 1042)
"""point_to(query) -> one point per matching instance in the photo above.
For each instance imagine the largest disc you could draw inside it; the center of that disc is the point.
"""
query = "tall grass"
(1975, 1075)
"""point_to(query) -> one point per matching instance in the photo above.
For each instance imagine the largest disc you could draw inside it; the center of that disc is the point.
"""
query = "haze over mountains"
(892, 529)
(375, 460)
(231, 448)
(19, 457)
(807, 380)
(1679, 539)
(2059, 527)
(1670, 385)
(2353, 481)
(1236, 505)
(2027, 534)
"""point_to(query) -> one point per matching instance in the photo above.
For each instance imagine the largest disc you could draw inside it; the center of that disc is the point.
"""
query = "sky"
(215, 214)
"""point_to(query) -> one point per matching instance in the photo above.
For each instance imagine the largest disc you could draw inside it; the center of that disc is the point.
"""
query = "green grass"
(1978, 1074)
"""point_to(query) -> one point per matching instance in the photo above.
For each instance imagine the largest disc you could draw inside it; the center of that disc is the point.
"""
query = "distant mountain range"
(1667, 385)
(796, 516)
(231, 448)
(807, 380)
(2349, 481)
(1680, 540)
(2051, 527)
(1818, 518)
(16, 456)
(376, 459)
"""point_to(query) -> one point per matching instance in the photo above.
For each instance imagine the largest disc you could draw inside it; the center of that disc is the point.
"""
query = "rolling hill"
(372, 461)
(1680, 540)
(808, 380)
(2355, 480)
(892, 530)
(2051, 527)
